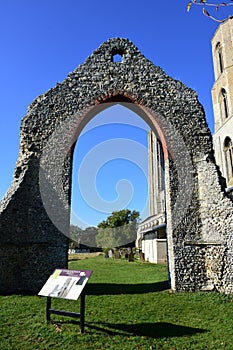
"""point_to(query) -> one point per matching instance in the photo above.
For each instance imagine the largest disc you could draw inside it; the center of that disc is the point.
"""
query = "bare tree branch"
(205, 4)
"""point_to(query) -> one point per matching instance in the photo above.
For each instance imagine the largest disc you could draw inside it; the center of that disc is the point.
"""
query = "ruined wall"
(34, 215)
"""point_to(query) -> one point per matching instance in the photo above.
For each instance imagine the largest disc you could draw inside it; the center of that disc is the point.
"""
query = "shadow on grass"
(152, 330)
(112, 288)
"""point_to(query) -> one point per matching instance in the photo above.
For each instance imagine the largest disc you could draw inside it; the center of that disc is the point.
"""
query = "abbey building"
(222, 96)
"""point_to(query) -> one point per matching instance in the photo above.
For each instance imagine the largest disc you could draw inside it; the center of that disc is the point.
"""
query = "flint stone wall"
(34, 214)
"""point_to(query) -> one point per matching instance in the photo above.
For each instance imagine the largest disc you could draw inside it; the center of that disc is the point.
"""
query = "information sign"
(66, 284)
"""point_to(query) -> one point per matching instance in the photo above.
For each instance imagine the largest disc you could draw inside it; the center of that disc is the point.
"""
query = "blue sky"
(110, 166)
(42, 41)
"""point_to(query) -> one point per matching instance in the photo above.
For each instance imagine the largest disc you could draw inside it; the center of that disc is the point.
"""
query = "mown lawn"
(128, 307)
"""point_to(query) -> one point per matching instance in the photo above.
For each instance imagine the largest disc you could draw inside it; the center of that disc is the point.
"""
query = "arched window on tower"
(219, 57)
(223, 104)
(228, 149)
(160, 162)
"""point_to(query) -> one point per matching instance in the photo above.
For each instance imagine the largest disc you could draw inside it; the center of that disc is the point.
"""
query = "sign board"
(66, 284)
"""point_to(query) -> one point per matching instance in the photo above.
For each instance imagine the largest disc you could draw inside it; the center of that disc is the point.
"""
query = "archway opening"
(228, 149)
(223, 104)
(220, 57)
(118, 164)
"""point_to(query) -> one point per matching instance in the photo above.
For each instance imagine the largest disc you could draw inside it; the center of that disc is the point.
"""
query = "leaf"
(189, 5)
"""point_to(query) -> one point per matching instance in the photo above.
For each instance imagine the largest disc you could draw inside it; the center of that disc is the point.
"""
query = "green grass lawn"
(128, 307)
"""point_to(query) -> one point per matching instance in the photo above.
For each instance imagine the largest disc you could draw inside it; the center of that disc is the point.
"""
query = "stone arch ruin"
(34, 214)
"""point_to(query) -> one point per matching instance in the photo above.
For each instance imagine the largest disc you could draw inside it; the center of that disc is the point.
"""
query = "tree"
(118, 229)
(205, 4)
(119, 218)
(85, 236)
(89, 237)
(75, 233)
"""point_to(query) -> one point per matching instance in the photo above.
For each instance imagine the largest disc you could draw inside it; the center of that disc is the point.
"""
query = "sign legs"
(80, 315)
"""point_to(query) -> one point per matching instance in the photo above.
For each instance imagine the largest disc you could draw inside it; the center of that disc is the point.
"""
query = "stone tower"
(151, 235)
(155, 175)
(222, 95)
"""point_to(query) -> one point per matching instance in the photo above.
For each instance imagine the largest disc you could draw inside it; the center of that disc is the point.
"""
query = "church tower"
(151, 234)
(222, 96)
(155, 175)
